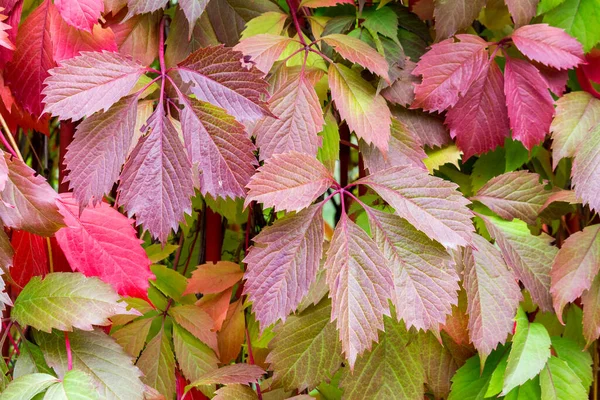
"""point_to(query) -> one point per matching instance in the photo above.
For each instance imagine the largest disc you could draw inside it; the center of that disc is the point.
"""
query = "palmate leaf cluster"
(299, 199)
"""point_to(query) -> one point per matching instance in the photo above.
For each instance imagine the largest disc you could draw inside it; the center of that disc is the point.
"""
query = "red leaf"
(30, 259)
(81, 14)
(12, 9)
(549, 45)
(530, 105)
(102, 242)
(557, 79)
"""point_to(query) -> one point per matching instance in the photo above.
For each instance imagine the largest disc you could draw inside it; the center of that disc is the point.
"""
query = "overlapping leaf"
(75, 385)
(522, 10)
(193, 9)
(132, 337)
(135, 7)
(586, 169)
(81, 14)
(452, 16)
(28, 386)
(197, 322)
(358, 52)
(214, 277)
(558, 381)
(231, 374)
(193, 357)
(157, 362)
(263, 49)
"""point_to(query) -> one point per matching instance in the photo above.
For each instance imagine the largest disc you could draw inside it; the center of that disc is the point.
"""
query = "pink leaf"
(549, 45)
(357, 51)
(448, 70)
(192, 9)
(360, 285)
(102, 242)
(218, 77)
(522, 10)
(289, 181)
(556, 78)
(13, 10)
(156, 182)
(324, 3)
(88, 83)
(586, 169)
(138, 37)
(283, 264)
(478, 121)
(220, 146)
(81, 14)
(530, 105)
(402, 90)
(263, 49)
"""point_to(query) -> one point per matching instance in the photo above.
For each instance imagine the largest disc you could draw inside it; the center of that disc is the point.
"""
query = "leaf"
(161, 161)
(218, 77)
(96, 354)
(529, 353)
(6, 253)
(478, 120)
(157, 362)
(231, 374)
(30, 361)
(231, 336)
(30, 258)
(69, 42)
(28, 386)
(591, 311)
(365, 111)
(298, 121)
(425, 279)
(470, 381)
(324, 3)
(522, 11)
(585, 169)
(430, 204)
(28, 201)
(136, 7)
(360, 285)
(517, 194)
(576, 114)
(270, 22)
(448, 70)
(429, 128)
(575, 266)
(392, 369)
(132, 337)
(558, 381)
(81, 14)
(579, 361)
(138, 37)
(493, 296)
(530, 257)
(439, 363)
(75, 385)
(214, 277)
(577, 17)
(216, 305)
(452, 16)
(194, 357)
(65, 301)
(197, 322)
(402, 89)
(524, 87)
(99, 149)
(220, 146)
(357, 51)
(170, 282)
(263, 49)
(193, 9)
(549, 45)
(283, 263)
(236, 392)
(289, 181)
(32, 59)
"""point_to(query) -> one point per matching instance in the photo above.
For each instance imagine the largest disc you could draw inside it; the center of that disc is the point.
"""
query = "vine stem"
(12, 148)
(293, 11)
(69, 355)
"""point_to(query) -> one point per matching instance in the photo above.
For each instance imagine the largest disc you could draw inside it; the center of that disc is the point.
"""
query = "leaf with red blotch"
(357, 51)
(136, 7)
(448, 70)
(402, 90)
(263, 49)
(102, 242)
(231, 374)
(586, 169)
(493, 295)
(32, 60)
(192, 9)
(425, 279)
(365, 111)
(522, 10)
(30, 259)
(212, 278)
(548, 45)
(324, 3)
(283, 263)
(99, 149)
(479, 121)
(28, 201)
(13, 10)
(429, 128)
(430, 204)
(455, 15)
(88, 83)
(138, 37)
(574, 268)
(517, 194)
(404, 149)
(299, 117)
(220, 147)
(530, 105)
(81, 14)
(218, 77)
(289, 181)
(530, 257)
(156, 182)
(360, 285)
(4, 38)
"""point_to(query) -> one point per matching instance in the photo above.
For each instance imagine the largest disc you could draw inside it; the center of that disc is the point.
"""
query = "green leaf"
(76, 385)
(440, 156)
(132, 337)
(469, 382)
(579, 18)
(579, 361)
(194, 357)
(559, 382)
(27, 386)
(269, 22)
(158, 252)
(383, 21)
(529, 353)
(157, 362)
(30, 361)
(169, 281)
(238, 392)
(65, 301)
(329, 151)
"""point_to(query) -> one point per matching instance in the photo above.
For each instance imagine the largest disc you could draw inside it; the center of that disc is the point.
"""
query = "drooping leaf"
(365, 111)
(522, 11)
(193, 9)
(263, 49)
(452, 16)
(197, 322)
(430, 204)
(360, 285)
(132, 337)
(82, 14)
(577, 17)
(102, 242)
(290, 181)
(530, 105)
(305, 350)
(448, 70)
(549, 45)
(283, 264)
(585, 169)
(193, 357)
(392, 369)
(231, 374)
(74, 385)
(158, 161)
(357, 51)
(218, 77)
(558, 382)
(517, 194)
(27, 387)
(157, 362)
(65, 301)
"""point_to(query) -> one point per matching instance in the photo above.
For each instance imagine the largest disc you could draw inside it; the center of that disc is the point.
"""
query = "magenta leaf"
(81, 14)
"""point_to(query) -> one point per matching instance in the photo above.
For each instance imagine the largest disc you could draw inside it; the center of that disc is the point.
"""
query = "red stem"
(214, 236)
(251, 362)
(293, 11)
(7, 145)
(69, 355)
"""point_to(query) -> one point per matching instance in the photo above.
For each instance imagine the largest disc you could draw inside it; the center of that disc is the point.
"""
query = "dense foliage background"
(315, 199)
